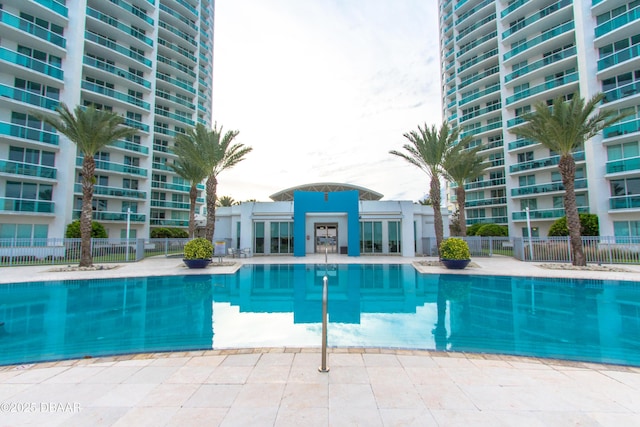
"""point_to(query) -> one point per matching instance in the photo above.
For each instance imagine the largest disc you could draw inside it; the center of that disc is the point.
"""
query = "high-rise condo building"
(148, 60)
(498, 58)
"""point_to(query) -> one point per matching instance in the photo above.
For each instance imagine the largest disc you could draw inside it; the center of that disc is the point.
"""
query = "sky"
(322, 90)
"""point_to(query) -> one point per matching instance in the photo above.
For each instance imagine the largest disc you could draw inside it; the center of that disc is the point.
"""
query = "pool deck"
(282, 386)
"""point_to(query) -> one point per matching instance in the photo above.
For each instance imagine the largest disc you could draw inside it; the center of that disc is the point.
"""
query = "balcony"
(484, 184)
(170, 186)
(544, 163)
(476, 60)
(549, 34)
(619, 57)
(567, 53)
(176, 82)
(179, 16)
(176, 65)
(21, 95)
(513, 6)
(102, 190)
(115, 167)
(120, 72)
(480, 112)
(482, 129)
(119, 25)
(27, 169)
(29, 27)
(174, 116)
(476, 95)
(26, 205)
(112, 216)
(569, 78)
(117, 48)
(55, 6)
(169, 205)
(536, 17)
(546, 188)
(621, 129)
(182, 51)
(488, 220)
(544, 213)
(180, 34)
(130, 146)
(170, 222)
(134, 11)
(120, 96)
(468, 30)
(624, 202)
(485, 202)
(617, 22)
(472, 79)
(473, 10)
(32, 134)
(624, 165)
(521, 143)
(622, 92)
(31, 63)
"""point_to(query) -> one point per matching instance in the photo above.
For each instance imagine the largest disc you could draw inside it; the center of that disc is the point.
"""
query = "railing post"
(323, 367)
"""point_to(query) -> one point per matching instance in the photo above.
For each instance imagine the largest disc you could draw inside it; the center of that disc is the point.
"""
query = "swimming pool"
(370, 305)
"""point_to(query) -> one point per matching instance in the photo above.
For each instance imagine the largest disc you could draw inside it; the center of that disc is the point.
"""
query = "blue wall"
(305, 202)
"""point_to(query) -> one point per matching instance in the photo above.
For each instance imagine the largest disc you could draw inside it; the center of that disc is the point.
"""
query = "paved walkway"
(280, 387)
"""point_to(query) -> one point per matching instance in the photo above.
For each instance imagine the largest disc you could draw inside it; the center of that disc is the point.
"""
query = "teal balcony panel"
(161, 166)
(569, 78)
(113, 216)
(165, 131)
(485, 202)
(174, 64)
(184, 36)
(521, 143)
(617, 22)
(452, 117)
(480, 112)
(117, 48)
(472, 11)
(546, 188)
(459, 4)
(31, 63)
(27, 169)
(513, 6)
(179, 16)
(55, 6)
(475, 26)
(176, 82)
(28, 97)
(494, 144)
(119, 25)
(115, 94)
(121, 72)
(482, 129)
(26, 205)
(474, 96)
(476, 60)
(170, 186)
(625, 165)
(134, 11)
(483, 184)
(115, 167)
(488, 220)
(514, 121)
(543, 163)
(480, 76)
(536, 17)
(31, 28)
(619, 57)
(567, 53)
(131, 146)
(625, 202)
(102, 190)
(173, 116)
(32, 134)
(622, 92)
(136, 124)
(621, 129)
(549, 34)
(167, 204)
(544, 213)
(187, 6)
(595, 2)
(182, 51)
(170, 222)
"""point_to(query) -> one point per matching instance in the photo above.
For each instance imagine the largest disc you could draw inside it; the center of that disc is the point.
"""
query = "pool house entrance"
(326, 238)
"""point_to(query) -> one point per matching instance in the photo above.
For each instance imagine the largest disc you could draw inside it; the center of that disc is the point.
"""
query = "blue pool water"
(280, 305)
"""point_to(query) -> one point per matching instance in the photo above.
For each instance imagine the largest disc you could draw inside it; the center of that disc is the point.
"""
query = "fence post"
(490, 246)
(569, 248)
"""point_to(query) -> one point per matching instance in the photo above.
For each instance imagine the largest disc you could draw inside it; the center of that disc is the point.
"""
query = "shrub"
(492, 230)
(199, 248)
(454, 248)
(97, 230)
(169, 233)
(588, 226)
(473, 229)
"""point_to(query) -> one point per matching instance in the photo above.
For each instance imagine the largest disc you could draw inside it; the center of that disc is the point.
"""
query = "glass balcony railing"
(112, 216)
(165, 131)
(115, 167)
(493, 144)
(514, 121)
(513, 6)
(170, 186)
(482, 129)
(622, 92)
(179, 16)
(621, 129)
(546, 188)
(521, 143)
(549, 34)
(121, 72)
(542, 13)
(488, 220)
(480, 76)
(116, 47)
(544, 213)
(569, 78)
(617, 22)
(32, 134)
(175, 64)
(485, 202)
(468, 30)
(136, 124)
(182, 51)
(31, 28)
(176, 82)
(168, 204)
(121, 96)
(181, 34)
(624, 202)
(631, 164)
(619, 57)
(135, 11)
(543, 163)
(480, 112)
(169, 222)
(127, 145)
(28, 97)
(476, 60)
(27, 169)
(102, 190)
(119, 25)
(187, 6)
(567, 53)
(31, 63)
(472, 11)
(56, 6)
(26, 205)
(483, 184)
(476, 95)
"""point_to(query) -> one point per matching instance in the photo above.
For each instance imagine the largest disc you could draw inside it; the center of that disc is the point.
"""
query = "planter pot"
(455, 264)
(196, 263)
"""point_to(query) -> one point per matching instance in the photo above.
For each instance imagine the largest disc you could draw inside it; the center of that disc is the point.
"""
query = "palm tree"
(189, 166)
(91, 130)
(226, 201)
(463, 165)
(564, 128)
(427, 149)
(218, 154)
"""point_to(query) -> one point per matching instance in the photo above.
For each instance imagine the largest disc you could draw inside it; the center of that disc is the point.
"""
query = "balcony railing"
(121, 96)
(121, 72)
(621, 129)
(617, 22)
(513, 6)
(115, 167)
(170, 186)
(176, 82)
(27, 169)
(26, 205)
(624, 202)
(31, 28)
(476, 60)
(168, 204)
(480, 112)
(25, 132)
(543, 163)
(55, 6)
(135, 11)
(113, 216)
(119, 25)
(102, 190)
(22, 95)
(521, 143)
(31, 63)
(544, 213)
(624, 165)
(618, 57)
(549, 34)
(476, 95)
(569, 78)
(117, 48)
(622, 92)
(482, 129)
(485, 202)
(483, 184)
(567, 53)
(546, 188)
(536, 17)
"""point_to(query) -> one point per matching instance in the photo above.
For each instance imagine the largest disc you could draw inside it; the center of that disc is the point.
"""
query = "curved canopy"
(325, 187)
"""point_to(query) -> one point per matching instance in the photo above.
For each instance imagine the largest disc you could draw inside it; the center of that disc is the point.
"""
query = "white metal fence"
(598, 250)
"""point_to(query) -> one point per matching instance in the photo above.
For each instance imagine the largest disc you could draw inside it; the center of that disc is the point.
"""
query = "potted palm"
(454, 253)
(198, 253)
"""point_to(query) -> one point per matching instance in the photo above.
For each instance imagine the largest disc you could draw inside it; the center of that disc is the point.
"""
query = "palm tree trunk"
(211, 189)
(86, 214)
(567, 168)
(434, 195)
(461, 196)
(193, 195)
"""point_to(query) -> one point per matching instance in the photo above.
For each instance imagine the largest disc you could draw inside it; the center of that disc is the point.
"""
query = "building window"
(395, 237)
(371, 237)
(281, 237)
(258, 237)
